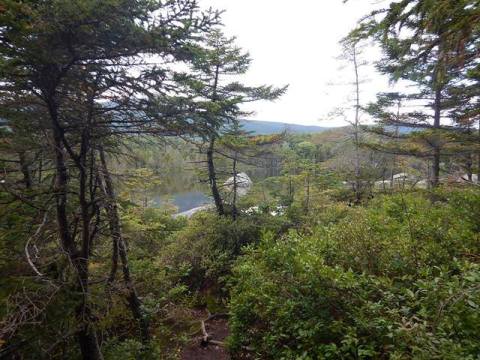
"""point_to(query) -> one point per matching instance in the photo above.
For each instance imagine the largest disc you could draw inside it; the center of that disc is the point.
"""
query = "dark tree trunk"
(25, 169)
(86, 334)
(435, 179)
(356, 134)
(478, 159)
(235, 189)
(87, 337)
(212, 177)
(394, 158)
(469, 167)
(290, 190)
(436, 167)
(120, 250)
(40, 169)
(307, 194)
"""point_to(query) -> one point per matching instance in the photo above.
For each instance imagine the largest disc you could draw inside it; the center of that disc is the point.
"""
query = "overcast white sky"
(296, 43)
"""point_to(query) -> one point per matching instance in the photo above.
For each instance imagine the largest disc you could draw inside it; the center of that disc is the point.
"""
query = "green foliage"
(402, 234)
(139, 185)
(394, 280)
(397, 278)
(132, 350)
(202, 253)
(149, 227)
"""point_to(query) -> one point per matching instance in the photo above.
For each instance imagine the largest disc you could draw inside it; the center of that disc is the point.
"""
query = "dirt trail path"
(217, 329)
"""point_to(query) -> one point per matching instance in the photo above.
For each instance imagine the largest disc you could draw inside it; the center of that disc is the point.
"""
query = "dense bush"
(396, 280)
(203, 252)
(402, 234)
(177, 264)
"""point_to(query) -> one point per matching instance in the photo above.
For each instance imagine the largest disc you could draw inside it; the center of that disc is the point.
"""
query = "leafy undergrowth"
(398, 279)
(182, 270)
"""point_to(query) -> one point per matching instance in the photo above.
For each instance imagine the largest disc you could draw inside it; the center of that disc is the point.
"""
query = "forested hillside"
(141, 217)
(271, 127)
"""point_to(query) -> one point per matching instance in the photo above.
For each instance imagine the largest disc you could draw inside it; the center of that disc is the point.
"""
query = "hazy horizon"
(317, 124)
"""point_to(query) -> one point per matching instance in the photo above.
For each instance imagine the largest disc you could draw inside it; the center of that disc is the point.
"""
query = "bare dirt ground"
(217, 330)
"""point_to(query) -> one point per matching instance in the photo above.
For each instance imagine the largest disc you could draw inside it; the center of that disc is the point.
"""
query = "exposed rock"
(191, 212)
(244, 184)
(383, 184)
(464, 178)
(422, 184)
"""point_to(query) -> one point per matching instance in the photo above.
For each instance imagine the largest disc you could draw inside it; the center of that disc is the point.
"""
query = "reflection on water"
(183, 201)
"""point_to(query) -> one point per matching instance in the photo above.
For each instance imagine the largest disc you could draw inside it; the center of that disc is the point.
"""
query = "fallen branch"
(217, 343)
(206, 338)
(27, 253)
(217, 316)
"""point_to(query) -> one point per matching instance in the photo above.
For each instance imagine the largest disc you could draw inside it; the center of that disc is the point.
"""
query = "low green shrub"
(202, 254)
(404, 233)
(397, 279)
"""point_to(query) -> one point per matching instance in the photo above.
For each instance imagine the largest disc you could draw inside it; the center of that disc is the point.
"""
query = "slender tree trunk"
(40, 169)
(436, 148)
(478, 158)
(120, 250)
(394, 160)
(93, 180)
(469, 167)
(290, 190)
(264, 196)
(307, 193)
(25, 169)
(86, 334)
(212, 177)
(235, 188)
(392, 173)
(356, 134)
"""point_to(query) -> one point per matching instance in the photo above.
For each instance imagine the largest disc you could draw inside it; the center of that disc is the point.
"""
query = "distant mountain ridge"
(272, 127)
